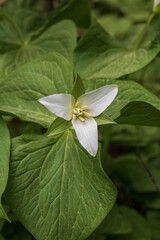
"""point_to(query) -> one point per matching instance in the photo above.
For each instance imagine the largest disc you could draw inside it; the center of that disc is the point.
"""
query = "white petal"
(87, 134)
(156, 2)
(98, 100)
(59, 104)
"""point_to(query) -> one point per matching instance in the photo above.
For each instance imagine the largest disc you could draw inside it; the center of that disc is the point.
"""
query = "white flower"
(88, 105)
(156, 6)
(156, 2)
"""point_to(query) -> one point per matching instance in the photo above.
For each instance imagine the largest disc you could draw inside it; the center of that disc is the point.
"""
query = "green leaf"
(78, 88)
(132, 172)
(141, 229)
(4, 162)
(133, 105)
(153, 218)
(153, 201)
(60, 37)
(1, 237)
(58, 126)
(26, 22)
(117, 222)
(46, 175)
(103, 119)
(98, 55)
(15, 231)
(140, 113)
(77, 11)
(20, 91)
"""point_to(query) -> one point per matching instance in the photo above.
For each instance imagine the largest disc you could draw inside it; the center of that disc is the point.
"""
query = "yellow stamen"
(77, 104)
(84, 107)
(74, 117)
(81, 118)
(86, 114)
(75, 111)
(78, 112)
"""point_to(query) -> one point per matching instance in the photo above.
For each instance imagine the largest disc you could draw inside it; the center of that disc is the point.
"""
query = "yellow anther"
(77, 104)
(86, 114)
(74, 110)
(74, 117)
(84, 107)
(81, 118)
(78, 112)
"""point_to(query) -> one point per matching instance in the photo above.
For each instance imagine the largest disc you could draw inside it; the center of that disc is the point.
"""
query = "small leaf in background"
(4, 162)
(140, 227)
(133, 173)
(38, 187)
(117, 222)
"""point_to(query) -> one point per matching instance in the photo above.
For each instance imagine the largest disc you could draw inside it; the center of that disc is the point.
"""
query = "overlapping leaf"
(133, 105)
(22, 89)
(98, 55)
(47, 174)
(17, 51)
(140, 227)
(77, 11)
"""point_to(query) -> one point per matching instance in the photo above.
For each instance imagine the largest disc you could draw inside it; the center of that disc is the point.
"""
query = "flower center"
(79, 112)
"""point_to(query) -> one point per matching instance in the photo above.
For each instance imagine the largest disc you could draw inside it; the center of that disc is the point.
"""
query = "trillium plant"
(79, 120)
(82, 112)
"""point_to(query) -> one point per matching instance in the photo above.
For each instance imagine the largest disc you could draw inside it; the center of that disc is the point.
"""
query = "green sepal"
(78, 88)
(58, 126)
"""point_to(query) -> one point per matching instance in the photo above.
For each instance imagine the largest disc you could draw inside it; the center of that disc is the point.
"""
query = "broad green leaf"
(78, 88)
(4, 162)
(26, 22)
(20, 91)
(139, 113)
(60, 37)
(133, 101)
(98, 56)
(77, 11)
(57, 190)
(141, 229)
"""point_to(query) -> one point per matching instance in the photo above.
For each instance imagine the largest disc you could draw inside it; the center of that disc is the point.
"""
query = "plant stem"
(140, 37)
(108, 131)
(15, 28)
(149, 172)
